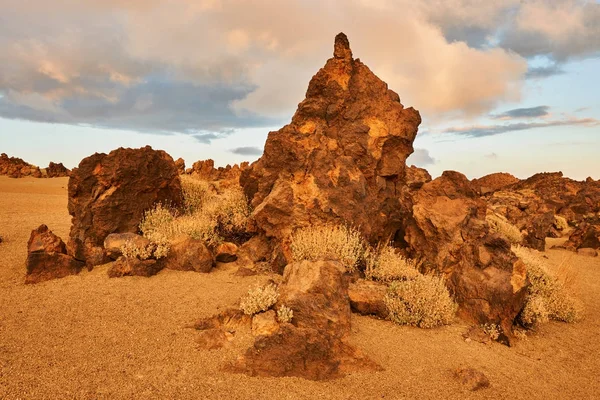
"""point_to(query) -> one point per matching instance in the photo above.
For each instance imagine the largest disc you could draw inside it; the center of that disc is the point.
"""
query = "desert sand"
(91, 337)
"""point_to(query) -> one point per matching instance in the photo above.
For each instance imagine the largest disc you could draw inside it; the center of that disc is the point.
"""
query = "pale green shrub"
(258, 299)
(285, 314)
(386, 265)
(328, 242)
(130, 250)
(423, 301)
(492, 330)
(501, 225)
(548, 298)
(195, 193)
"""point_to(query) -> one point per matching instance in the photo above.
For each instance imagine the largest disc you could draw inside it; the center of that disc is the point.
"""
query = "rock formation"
(448, 231)
(314, 345)
(110, 193)
(494, 182)
(47, 257)
(205, 170)
(341, 159)
(17, 168)
(180, 164)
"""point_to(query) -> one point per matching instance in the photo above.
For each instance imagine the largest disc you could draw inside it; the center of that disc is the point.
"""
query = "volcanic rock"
(494, 182)
(226, 252)
(586, 235)
(57, 170)
(315, 346)
(131, 266)
(187, 254)
(17, 168)
(180, 165)
(47, 257)
(110, 193)
(341, 159)
(205, 170)
(367, 298)
(449, 233)
(416, 177)
(265, 324)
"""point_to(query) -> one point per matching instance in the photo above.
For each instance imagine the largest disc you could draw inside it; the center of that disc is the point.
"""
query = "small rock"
(587, 251)
(265, 324)
(226, 252)
(472, 379)
(134, 267)
(243, 271)
(366, 298)
(187, 254)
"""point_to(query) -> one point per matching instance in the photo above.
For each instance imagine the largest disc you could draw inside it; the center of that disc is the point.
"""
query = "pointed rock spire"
(341, 49)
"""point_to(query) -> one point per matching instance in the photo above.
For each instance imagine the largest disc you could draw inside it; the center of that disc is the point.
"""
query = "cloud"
(247, 151)
(420, 158)
(491, 156)
(544, 71)
(491, 130)
(214, 65)
(531, 112)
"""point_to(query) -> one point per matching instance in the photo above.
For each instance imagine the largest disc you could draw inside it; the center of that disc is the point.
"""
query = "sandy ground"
(91, 337)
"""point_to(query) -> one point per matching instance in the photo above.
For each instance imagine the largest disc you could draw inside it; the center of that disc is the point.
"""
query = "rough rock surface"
(494, 182)
(367, 298)
(110, 193)
(416, 177)
(448, 231)
(226, 252)
(127, 266)
(17, 168)
(342, 157)
(586, 235)
(180, 165)
(265, 324)
(47, 257)
(187, 254)
(205, 170)
(315, 346)
(55, 170)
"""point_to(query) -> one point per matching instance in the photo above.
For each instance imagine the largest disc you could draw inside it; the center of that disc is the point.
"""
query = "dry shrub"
(259, 299)
(208, 215)
(285, 314)
(560, 223)
(386, 265)
(501, 225)
(423, 301)
(548, 297)
(328, 242)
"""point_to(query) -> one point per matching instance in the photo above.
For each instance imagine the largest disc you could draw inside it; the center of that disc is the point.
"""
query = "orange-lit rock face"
(341, 159)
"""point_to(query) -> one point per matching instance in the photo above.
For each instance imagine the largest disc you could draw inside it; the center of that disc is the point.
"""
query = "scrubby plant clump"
(285, 314)
(560, 223)
(423, 301)
(548, 298)
(501, 225)
(386, 265)
(328, 242)
(259, 299)
(208, 215)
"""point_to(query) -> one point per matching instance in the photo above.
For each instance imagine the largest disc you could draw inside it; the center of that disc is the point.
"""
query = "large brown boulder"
(315, 346)
(47, 257)
(449, 233)
(109, 193)
(494, 182)
(341, 159)
(188, 254)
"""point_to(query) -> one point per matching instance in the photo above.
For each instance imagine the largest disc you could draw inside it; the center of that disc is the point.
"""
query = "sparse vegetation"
(501, 225)
(329, 242)
(207, 214)
(548, 297)
(258, 299)
(386, 265)
(285, 314)
(423, 301)
(492, 330)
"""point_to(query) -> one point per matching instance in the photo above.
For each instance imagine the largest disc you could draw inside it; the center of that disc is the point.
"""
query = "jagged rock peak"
(341, 48)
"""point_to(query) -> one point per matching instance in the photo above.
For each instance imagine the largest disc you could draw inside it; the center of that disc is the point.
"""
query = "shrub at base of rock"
(187, 254)
(113, 244)
(127, 266)
(47, 257)
(368, 298)
(110, 193)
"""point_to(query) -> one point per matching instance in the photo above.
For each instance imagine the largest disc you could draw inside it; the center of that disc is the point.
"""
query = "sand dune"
(91, 337)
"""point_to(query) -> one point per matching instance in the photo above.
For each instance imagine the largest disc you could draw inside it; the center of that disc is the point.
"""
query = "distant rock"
(17, 168)
(130, 266)
(494, 182)
(47, 257)
(180, 165)
(585, 236)
(205, 170)
(416, 177)
(110, 193)
(57, 170)
(341, 159)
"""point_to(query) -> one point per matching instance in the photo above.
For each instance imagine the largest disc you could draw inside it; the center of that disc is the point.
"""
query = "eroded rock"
(131, 266)
(187, 254)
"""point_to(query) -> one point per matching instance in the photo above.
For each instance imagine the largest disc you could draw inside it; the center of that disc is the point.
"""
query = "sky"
(508, 86)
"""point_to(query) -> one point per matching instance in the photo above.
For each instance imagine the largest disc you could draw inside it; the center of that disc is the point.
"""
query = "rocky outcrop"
(131, 266)
(314, 346)
(17, 168)
(180, 165)
(367, 298)
(416, 177)
(448, 231)
(494, 182)
(341, 159)
(47, 257)
(205, 170)
(585, 236)
(109, 193)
